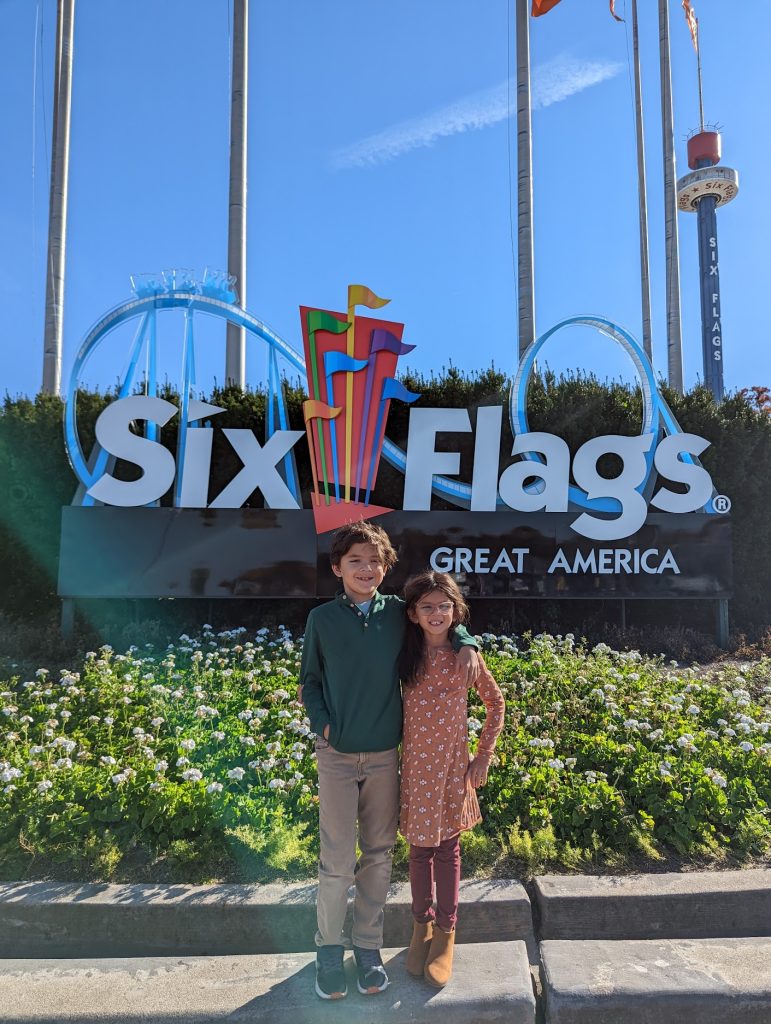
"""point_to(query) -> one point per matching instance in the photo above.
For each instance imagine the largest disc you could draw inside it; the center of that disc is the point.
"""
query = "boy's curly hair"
(363, 533)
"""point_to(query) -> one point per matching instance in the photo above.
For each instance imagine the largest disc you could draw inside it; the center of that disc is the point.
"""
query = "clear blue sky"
(378, 154)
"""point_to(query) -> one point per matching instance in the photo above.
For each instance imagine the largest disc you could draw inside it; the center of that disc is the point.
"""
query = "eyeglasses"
(444, 608)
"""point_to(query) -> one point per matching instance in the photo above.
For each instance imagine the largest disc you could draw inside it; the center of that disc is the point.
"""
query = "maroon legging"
(444, 862)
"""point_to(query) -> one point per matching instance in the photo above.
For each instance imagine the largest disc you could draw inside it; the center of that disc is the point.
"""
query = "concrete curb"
(42, 919)
(657, 981)
(703, 904)
(490, 984)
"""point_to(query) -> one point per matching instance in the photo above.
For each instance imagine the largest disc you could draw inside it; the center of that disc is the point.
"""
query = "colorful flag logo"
(351, 383)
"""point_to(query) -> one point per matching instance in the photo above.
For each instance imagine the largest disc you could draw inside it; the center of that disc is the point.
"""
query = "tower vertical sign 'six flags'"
(541, 494)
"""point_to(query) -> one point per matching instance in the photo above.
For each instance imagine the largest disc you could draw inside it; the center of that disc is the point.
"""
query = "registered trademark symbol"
(721, 503)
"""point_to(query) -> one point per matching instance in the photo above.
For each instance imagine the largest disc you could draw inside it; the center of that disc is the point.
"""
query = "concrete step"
(43, 919)
(695, 904)
(657, 981)
(491, 983)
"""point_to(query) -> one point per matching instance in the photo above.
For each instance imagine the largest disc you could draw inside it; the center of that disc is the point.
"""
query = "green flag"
(318, 320)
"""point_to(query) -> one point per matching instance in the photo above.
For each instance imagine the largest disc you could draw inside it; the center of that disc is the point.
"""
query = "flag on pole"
(543, 7)
(693, 23)
(313, 409)
(360, 295)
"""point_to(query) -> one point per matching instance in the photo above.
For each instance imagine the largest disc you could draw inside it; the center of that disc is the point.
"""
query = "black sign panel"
(242, 553)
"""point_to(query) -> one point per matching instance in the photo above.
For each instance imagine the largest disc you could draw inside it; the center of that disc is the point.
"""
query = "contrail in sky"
(554, 81)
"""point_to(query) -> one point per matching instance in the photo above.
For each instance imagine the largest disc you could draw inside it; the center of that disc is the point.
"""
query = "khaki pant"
(353, 788)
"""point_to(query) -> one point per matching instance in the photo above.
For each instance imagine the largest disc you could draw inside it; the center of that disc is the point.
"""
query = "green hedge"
(37, 480)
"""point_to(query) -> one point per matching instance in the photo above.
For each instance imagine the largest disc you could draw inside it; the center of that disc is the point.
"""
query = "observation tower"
(707, 187)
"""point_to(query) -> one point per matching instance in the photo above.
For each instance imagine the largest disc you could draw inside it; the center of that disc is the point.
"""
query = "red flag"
(543, 7)
(613, 10)
(693, 23)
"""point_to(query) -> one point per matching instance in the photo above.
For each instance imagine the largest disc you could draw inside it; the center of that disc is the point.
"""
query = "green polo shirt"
(350, 672)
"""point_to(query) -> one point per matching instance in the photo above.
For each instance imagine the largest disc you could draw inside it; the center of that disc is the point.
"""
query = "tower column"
(702, 191)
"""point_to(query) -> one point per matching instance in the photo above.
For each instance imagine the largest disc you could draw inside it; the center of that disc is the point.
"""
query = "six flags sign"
(351, 364)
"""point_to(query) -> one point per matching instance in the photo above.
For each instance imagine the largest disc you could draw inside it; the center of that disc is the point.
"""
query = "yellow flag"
(360, 295)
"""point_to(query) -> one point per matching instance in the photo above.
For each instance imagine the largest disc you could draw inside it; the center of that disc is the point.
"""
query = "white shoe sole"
(366, 992)
(334, 998)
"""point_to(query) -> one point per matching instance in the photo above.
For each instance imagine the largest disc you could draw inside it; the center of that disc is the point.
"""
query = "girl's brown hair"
(413, 649)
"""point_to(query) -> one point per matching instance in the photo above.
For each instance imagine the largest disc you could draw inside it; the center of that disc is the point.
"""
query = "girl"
(438, 798)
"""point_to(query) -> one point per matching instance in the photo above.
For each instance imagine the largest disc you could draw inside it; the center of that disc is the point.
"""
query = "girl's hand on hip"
(476, 773)
(467, 665)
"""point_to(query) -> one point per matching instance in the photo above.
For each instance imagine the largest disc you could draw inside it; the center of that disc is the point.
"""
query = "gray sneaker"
(371, 977)
(330, 976)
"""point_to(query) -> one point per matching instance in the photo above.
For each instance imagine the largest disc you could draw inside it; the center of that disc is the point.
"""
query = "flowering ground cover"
(196, 763)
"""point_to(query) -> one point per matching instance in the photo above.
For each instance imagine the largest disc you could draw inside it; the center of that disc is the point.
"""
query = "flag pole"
(674, 331)
(525, 258)
(642, 192)
(57, 209)
(698, 72)
(235, 344)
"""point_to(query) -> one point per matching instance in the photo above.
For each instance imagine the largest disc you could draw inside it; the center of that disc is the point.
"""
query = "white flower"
(276, 784)
(214, 787)
(247, 741)
(236, 773)
(155, 785)
(44, 786)
(9, 789)
(182, 761)
(120, 778)
(746, 746)
(108, 721)
(161, 766)
(220, 736)
(187, 744)
(555, 763)
(156, 723)
(63, 762)
(192, 775)
(693, 710)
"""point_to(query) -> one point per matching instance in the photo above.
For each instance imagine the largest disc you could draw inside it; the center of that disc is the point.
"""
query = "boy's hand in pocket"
(326, 733)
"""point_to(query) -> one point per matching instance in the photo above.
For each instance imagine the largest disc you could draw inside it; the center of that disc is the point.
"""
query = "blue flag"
(393, 388)
(339, 362)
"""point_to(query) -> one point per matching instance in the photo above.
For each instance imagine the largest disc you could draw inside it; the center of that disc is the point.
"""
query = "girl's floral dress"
(436, 801)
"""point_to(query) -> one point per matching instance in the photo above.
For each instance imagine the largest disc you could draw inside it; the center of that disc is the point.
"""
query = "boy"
(350, 688)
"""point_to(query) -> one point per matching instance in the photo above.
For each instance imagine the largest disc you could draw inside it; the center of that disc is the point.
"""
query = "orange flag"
(316, 410)
(543, 7)
(693, 23)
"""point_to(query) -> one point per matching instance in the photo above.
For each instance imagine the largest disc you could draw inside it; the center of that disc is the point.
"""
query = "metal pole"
(674, 333)
(645, 281)
(698, 72)
(524, 181)
(57, 208)
(235, 354)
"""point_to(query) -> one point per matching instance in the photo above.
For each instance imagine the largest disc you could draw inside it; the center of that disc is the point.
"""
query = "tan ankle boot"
(438, 969)
(418, 951)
